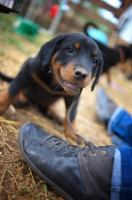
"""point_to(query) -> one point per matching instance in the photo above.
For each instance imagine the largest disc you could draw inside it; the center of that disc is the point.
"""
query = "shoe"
(74, 172)
(104, 106)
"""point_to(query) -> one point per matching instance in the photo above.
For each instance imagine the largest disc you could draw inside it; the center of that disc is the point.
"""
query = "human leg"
(121, 182)
(118, 121)
(120, 124)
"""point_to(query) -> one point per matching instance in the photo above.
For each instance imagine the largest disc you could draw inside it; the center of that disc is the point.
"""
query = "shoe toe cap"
(30, 131)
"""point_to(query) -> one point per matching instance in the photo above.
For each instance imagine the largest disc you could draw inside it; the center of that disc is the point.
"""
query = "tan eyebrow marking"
(77, 45)
(95, 53)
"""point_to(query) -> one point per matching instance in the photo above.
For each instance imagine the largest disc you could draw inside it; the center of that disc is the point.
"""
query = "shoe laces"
(54, 140)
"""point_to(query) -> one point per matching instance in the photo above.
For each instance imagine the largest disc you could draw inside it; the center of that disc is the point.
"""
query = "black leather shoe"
(74, 172)
(104, 106)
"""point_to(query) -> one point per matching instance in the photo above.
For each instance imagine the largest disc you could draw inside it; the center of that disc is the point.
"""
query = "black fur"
(62, 67)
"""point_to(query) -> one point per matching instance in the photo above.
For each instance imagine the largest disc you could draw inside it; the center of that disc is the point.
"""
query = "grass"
(20, 42)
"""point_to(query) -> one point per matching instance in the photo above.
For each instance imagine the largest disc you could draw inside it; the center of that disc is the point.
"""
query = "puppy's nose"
(80, 74)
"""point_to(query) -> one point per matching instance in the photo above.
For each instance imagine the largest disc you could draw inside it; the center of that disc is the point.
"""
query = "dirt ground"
(17, 180)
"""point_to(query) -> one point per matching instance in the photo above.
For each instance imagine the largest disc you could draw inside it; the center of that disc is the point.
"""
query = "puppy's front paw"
(72, 136)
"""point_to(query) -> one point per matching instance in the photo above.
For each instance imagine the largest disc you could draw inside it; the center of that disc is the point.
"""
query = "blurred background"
(64, 16)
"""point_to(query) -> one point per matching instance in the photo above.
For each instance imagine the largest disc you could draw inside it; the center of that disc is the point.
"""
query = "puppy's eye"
(69, 50)
(95, 61)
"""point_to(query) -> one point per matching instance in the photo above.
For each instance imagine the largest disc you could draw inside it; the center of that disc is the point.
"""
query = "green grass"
(20, 42)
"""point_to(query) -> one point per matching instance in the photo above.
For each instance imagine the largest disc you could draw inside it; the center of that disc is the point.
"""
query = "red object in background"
(54, 10)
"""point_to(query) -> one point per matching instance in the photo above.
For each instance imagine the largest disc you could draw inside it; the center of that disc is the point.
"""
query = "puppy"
(112, 56)
(62, 67)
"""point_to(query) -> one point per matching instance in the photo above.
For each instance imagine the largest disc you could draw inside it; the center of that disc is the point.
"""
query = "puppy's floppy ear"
(99, 71)
(48, 49)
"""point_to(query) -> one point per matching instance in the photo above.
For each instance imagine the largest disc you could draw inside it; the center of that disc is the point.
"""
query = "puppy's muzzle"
(80, 74)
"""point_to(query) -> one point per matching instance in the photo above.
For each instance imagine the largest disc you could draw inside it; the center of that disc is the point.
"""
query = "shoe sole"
(32, 166)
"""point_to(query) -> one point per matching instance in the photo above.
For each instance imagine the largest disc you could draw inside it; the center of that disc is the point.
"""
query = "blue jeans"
(120, 124)
(121, 181)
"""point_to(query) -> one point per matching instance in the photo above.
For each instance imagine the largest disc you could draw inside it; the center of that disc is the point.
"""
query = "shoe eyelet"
(94, 154)
(103, 152)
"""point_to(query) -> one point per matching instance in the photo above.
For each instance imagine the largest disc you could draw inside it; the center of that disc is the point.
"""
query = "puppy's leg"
(68, 132)
(8, 96)
(21, 100)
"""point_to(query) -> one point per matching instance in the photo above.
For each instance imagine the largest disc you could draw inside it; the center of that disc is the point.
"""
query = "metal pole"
(32, 10)
(55, 22)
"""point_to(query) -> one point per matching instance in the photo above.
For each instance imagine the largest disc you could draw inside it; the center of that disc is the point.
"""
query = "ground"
(17, 180)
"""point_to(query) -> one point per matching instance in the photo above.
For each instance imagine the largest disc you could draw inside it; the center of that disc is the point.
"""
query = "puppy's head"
(74, 60)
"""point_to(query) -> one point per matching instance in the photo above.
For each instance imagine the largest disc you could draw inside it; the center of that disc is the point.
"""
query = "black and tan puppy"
(112, 56)
(63, 66)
